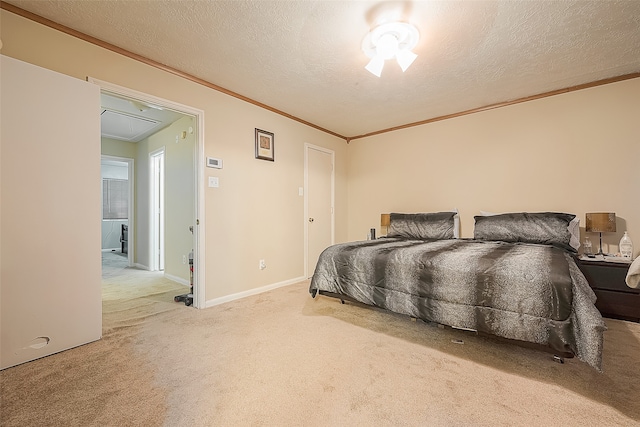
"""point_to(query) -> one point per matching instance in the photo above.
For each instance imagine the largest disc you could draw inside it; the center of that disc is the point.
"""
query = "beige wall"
(577, 152)
(114, 147)
(257, 212)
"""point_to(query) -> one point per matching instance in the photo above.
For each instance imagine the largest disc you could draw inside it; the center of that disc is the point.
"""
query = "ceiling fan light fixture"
(387, 46)
(375, 65)
(405, 58)
(386, 41)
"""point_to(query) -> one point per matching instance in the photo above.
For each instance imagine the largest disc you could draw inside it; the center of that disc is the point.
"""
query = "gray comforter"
(525, 292)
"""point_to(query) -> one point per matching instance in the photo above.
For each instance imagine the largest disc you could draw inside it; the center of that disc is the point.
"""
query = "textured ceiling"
(304, 58)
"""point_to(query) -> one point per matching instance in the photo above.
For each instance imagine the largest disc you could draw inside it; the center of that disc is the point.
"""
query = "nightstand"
(615, 298)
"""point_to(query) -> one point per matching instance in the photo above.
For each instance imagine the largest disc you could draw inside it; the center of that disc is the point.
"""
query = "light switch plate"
(214, 182)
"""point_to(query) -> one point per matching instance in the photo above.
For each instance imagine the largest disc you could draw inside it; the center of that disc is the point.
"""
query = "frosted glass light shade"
(375, 65)
(405, 58)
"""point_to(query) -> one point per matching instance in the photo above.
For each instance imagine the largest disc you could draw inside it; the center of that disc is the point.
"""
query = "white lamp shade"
(375, 65)
(405, 58)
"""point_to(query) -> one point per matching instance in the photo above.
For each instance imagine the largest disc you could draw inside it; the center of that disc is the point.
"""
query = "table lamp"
(600, 222)
(385, 220)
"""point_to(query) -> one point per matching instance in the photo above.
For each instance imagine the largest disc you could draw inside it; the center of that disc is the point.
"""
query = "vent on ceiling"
(126, 127)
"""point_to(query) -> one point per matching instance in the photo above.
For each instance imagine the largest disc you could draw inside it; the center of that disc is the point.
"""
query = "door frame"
(131, 226)
(199, 270)
(308, 147)
(156, 200)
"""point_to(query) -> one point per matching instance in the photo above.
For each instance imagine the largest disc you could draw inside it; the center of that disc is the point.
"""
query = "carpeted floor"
(282, 359)
(114, 263)
(101, 383)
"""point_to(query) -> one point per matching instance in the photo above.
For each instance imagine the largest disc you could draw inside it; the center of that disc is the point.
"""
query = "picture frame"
(265, 145)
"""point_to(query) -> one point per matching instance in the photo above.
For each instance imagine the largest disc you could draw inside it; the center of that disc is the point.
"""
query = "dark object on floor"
(187, 298)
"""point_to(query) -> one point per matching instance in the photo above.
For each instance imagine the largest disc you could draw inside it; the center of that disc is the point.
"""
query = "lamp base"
(600, 248)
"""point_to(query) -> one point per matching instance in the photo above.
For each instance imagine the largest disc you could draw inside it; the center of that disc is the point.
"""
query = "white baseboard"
(244, 294)
(177, 279)
(112, 250)
(141, 267)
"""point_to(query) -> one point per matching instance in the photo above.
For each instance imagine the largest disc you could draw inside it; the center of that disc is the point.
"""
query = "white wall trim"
(141, 267)
(176, 279)
(199, 159)
(250, 292)
(156, 198)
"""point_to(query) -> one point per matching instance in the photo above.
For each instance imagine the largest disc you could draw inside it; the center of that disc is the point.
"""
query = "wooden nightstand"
(615, 298)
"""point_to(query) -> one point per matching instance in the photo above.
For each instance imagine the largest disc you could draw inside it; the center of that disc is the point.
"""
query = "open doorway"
(167, 195)
(117, 212)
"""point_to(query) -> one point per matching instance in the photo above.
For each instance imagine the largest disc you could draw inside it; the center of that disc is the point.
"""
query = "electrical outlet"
(262, 265)
(184, 259)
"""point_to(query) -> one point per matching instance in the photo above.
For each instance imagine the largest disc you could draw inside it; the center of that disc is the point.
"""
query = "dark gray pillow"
(545, 228)
(422, 226)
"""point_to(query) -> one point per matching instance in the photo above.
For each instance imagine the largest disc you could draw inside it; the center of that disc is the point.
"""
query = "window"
(115, 198)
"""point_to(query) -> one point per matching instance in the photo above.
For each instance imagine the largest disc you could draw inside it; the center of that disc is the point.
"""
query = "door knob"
(310, 219)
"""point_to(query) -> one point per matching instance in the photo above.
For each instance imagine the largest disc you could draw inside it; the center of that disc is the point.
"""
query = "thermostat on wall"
(212, 162)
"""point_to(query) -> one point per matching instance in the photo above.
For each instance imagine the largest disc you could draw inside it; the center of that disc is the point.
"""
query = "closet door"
(320, 223)
(50, 297)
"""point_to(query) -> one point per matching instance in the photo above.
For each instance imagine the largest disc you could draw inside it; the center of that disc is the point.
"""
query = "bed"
(516, 279)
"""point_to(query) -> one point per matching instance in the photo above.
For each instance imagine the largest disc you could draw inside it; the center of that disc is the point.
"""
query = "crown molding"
(502, 104)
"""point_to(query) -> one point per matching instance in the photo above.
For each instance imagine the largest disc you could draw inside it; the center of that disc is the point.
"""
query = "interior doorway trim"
(156, 211)
(199, 270)
(130, 215)
(308, 147)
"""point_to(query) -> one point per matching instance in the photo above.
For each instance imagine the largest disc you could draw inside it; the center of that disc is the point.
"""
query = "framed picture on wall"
(264, 145)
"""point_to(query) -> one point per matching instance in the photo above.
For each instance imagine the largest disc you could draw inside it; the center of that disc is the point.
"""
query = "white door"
(50, 296)
(319, 198)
